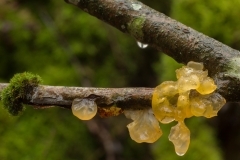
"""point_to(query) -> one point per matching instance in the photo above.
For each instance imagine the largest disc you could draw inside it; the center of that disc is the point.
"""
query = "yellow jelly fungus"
(183, 100)
(180, 137)
(184, 72)
(84, 109)
(207, 105)
(188, 83)
(201, 108)
(195, 65)
(145, 127)
(191, 95)
(164, 96)
(183, 110)
(164, 112)
(217, 102)
(207, 86)
(168, 88)
(172, 101)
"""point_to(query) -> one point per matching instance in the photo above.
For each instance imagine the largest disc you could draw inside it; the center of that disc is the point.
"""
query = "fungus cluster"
(191, 95)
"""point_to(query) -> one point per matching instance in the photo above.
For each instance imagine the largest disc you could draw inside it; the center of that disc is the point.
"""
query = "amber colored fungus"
(84, 109)
(145, 127)
(191, 95)
(180, 137)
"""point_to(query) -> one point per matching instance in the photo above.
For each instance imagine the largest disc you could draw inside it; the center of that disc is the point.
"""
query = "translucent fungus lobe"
(167, 88)
(145, 127)
(164, 112)
(195, 65)
(180, 137)
(163, 97)
(207, 86)
(207, 105)
(84, 109)
(188, 83)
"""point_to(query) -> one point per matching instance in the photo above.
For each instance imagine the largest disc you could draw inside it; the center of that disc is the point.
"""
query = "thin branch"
(182, 43)
(124, 98)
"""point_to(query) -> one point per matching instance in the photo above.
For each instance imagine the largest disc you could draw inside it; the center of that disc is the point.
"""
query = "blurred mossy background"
(68, 47)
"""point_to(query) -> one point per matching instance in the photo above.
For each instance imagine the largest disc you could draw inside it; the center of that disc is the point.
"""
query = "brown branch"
(182, 43)
(124, 98)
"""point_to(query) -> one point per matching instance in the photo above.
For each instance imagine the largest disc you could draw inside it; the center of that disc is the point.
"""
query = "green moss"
(21, 85)
(135, 27)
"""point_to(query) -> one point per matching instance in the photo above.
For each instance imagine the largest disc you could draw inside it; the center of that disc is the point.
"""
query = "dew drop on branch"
(142, 45)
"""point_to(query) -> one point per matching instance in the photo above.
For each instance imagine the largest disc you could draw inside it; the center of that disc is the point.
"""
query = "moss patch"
(21, 85)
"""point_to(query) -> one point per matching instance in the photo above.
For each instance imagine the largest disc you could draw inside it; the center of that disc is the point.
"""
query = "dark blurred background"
(68, 47)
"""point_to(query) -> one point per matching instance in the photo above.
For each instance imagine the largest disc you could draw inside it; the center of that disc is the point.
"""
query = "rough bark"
(182, 43)
(124, 98)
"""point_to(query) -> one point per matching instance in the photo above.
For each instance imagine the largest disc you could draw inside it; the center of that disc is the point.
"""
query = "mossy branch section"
(182, 43)
(18, 91)
(48, 96)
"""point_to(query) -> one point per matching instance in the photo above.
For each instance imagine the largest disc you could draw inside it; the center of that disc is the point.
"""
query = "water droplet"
(142, 45)
(136, 6)
(84, 109)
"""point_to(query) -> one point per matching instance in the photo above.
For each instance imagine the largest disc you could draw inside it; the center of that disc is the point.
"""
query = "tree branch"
(182, 43)
(161, 32)
(124, 98)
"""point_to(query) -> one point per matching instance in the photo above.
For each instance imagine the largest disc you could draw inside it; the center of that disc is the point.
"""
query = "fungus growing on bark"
(191, 95)
(84, 109)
